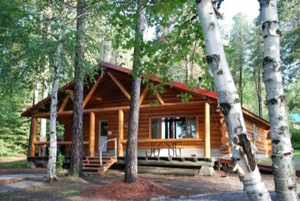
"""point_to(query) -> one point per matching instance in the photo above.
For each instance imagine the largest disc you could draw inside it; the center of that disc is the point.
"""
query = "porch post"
(92, 134)
(207, 131)
(121, 133)
(33, 136)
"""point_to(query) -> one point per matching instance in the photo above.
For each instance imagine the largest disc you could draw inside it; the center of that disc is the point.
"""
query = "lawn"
(297, 154)
(13, 162)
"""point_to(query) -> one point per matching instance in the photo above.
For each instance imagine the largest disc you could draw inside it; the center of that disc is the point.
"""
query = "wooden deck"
(262, 167)
(172, 161)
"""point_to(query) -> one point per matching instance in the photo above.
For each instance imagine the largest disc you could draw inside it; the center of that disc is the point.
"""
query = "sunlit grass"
(39, 186)
(296, 154)
(68, 192)
(8, 162)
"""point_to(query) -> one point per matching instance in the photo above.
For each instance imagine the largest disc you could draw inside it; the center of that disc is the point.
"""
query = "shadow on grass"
(14, 162)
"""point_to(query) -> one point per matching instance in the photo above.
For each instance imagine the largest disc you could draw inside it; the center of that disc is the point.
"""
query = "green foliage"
(295, 138)
(292, 96)
(289, 14)
(296, 154)
(14, 130)
(60, 161)
(185, 97)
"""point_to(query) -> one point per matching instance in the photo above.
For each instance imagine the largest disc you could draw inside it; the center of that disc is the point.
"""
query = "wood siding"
(109, 95)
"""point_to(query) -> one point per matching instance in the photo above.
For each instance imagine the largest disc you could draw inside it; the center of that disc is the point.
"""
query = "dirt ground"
(110, 186)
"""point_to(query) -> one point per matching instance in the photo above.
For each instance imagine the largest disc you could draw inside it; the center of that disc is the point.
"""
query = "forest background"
(29, 36)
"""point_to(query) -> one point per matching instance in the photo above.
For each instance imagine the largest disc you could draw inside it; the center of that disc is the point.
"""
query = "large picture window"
(173, 127)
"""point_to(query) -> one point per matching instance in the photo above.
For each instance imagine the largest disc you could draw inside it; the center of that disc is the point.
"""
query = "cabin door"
(103, 135)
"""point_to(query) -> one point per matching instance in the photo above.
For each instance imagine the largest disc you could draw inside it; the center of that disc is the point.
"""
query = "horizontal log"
(106, 109)
(166, 140)
(59, 143)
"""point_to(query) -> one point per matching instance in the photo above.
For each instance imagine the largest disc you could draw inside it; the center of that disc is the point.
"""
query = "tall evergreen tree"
(255, 66)
(289, 14)
(77, 139)
(237, 59)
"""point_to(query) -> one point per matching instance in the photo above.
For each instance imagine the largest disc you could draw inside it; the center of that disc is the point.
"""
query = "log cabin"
(168, 126)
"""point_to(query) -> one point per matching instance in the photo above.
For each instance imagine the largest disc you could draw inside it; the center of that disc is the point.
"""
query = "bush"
(60, 162)
(295, 137)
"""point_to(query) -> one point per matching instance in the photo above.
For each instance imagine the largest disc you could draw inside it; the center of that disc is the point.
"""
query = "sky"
(229, 8)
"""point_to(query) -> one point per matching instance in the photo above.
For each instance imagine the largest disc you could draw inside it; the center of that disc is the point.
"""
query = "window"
(156, 128)
(173, 127)
(103, 128)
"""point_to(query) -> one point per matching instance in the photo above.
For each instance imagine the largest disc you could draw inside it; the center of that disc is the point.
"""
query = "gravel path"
(16, 182)
(231, 196)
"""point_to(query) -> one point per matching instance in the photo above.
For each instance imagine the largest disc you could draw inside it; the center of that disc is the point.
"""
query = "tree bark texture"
(258, 88)
(77, 147)
(45, 30)
(35, 101)
(133, 123)
(282, 151)
(243, 151)
(53, 108)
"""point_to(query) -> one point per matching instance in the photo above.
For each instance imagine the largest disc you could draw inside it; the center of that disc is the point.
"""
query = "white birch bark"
(53, 108)
(282, 151)
(242, 149)
(46, 16)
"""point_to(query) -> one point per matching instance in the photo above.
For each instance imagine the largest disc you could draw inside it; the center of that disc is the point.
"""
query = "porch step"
(92, 163)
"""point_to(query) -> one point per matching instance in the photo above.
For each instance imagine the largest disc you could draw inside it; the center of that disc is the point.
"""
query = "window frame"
(187, 135)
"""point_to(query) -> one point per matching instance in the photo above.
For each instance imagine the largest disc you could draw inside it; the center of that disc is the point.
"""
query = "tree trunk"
(43, 130)
(133, 123)
(35, 99)
(259, 92)
(77, 148)
(46, 28)
(53, 108)
(282, 151)
(229, 103)
(241, 63)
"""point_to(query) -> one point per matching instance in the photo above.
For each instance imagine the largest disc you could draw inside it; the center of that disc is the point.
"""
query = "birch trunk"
(243, 151)
(282, 151)
(46, 17)
(53, 108)
(131, 173)
(77, 148)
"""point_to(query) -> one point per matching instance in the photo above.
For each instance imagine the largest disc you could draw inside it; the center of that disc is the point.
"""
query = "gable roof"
(126, 71)
(175, 84)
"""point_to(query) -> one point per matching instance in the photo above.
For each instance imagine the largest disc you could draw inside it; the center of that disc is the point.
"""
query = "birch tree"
(53, 108)
(133, 123)
(77, 148)
(282, 151)
(243, 151)
(45, 33)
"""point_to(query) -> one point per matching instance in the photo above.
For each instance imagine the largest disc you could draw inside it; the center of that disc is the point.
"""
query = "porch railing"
(115, 148)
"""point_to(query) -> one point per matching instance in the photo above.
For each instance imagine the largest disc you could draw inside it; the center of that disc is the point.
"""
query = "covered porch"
(151, 147)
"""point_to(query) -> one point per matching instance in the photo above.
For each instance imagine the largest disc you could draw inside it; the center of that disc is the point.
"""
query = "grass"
(39, 186)
(297, 154)
(13, 162)
(68, 192)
